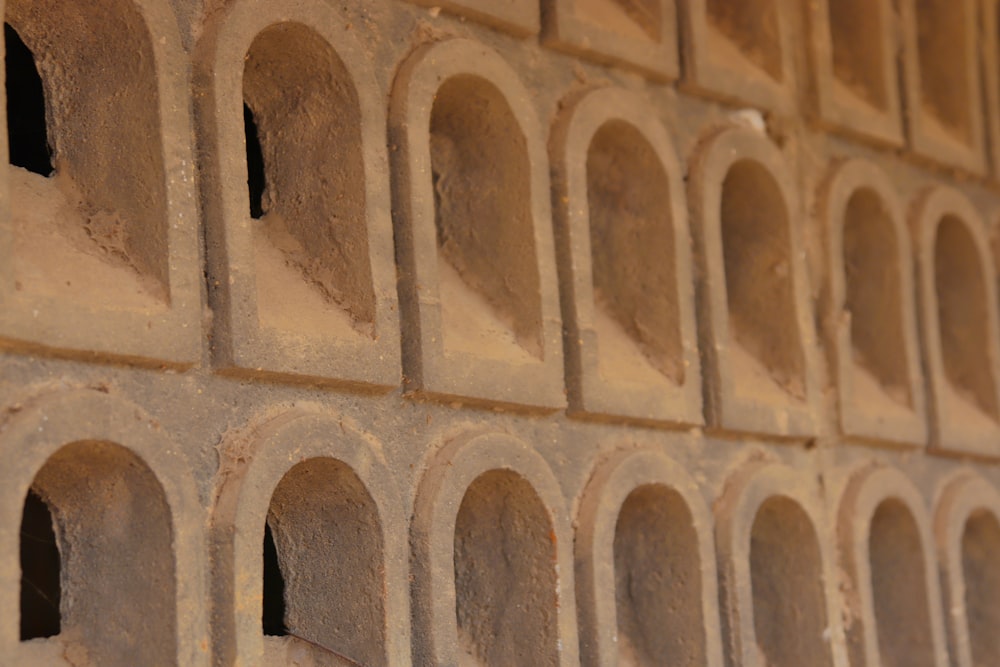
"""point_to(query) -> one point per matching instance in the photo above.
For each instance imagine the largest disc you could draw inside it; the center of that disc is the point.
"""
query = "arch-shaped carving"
(768, 523)
(871, 318)
(967, 532)
(121, 431)
(103, 256)
(248, 480)
(642, 512)
(478, 301)
(760, 342)
(957, 288)
(463, 463)
(309, 289)
(886, 552)
(630, 340)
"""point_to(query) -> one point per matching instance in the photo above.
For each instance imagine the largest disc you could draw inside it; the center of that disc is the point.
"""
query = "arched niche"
(871, 317)
(118, 493)
(630, 326)
(478, 292)
(756, 310)
(775, 574)
(967, 529)
(328, 541)
(646, 586)
(491, 557)
(102, 228)
(320, 487)
(959, 311)
(886, 552)
(293, 158)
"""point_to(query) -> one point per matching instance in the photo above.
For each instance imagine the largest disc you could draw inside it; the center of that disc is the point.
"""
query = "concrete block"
(478, 289)
(958, 309)
(854, 70)
(886, 551)
(775, 569)
(99, 461)
(967, 534)
(637, 35)
(308, 289)
(630, 339)
(756, 325)
(338, 524)
(519, 17)
(645, 565)
(871, 323)
(739, 52)
(941, 82)
(481, 496)
(101, 259)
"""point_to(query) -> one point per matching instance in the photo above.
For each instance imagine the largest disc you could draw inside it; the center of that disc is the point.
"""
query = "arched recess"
(490, 516)
(138, 483)
(630, 327)
(478, 292)
(110, 238)
(756, 315)
(959, 320)
(321, 485)
(871, 316)
(886, 551)
(776, 576)
(658, 603)
(967, 532)
(303, 272)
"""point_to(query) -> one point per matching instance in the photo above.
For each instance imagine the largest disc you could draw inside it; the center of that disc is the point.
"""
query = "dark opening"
(273, 619)
(40, 591)
(255, 165)
(27, 139)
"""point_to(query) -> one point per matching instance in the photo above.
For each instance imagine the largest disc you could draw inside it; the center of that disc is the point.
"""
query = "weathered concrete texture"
(564, 332)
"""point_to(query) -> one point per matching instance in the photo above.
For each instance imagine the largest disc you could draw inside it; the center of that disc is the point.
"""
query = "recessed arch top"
(630, 329)
(767, 527)
(44, 426)
(641, 511)
(957, 290)
(967, 532)
(871, 316)
(248, 480)
(756, 311)
(500, 460)
(308, 289)
(473, 229)
(886, 549)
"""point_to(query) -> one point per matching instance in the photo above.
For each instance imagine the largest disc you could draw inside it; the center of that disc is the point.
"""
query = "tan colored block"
(941, 82)
(638, 35)
(989, 58)
(309, 288)
(645, 565)
(957, 288)
(776, 570)
(871, 312)
(100, 461)
(101, 259)
(739, 52)
(967, 533)
(890, 585)
(853, 58)
(484, 495)
(478, 288)
(631, 341)
(520, 17)
(337, 519)
(756, 326)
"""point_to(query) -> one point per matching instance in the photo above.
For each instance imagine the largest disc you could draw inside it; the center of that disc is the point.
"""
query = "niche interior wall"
(536, 332)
